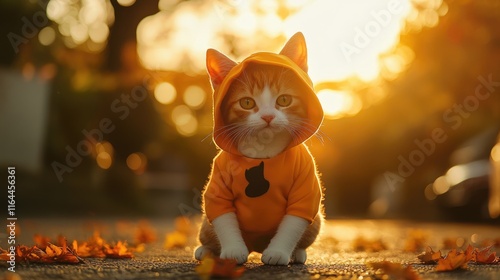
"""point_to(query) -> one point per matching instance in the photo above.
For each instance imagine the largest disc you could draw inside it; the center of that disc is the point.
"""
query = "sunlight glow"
(352, 42)
(338, 104)
(340, 44)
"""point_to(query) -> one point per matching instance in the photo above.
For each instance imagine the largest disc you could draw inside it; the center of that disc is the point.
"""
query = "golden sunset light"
(290, 139)
(340, 46)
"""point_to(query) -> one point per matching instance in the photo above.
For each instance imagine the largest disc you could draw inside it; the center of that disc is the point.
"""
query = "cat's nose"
(268, 118)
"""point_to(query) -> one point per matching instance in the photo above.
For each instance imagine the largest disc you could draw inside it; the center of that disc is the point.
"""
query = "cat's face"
(263, 110)
(265, 103)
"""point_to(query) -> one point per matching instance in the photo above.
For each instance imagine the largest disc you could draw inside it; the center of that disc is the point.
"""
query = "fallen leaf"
(41, 241)
(484, 256)
(470, 253)
(429, 256)
(117, 251)
(175, 239)
(362, 244)
(453, 260)
(96, 247)
(3, 255)
(395, 270)
(211, 266)
(51, 254)
(145, 233)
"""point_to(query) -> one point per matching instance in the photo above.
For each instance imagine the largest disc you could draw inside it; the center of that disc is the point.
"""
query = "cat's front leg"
(228, 232)
(283, 244)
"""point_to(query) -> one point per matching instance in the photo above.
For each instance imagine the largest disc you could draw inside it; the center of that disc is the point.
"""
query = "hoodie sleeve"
(305, 196)
(218, 196)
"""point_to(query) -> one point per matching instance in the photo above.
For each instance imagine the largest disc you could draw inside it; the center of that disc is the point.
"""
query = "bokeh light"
(165, 93)
(104, 154)
(137, 162)
(47, 35)
(194, 97)
(495, 153)
(184, 120)
(82, 21)
(126, 3)
(104, 160)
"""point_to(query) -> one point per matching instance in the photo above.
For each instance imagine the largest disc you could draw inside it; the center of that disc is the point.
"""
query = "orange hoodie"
(262, 191)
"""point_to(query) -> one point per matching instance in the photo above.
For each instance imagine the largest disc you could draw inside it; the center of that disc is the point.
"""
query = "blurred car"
(470, 188)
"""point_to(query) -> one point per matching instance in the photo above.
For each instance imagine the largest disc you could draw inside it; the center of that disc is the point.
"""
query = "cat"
(264, 192)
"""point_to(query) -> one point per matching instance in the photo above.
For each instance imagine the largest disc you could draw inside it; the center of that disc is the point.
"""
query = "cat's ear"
(218, 65)
(296, 50)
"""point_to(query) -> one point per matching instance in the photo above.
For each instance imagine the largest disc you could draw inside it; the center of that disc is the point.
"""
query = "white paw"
(275, 257)
(299, 256)
(239, 253)
(200, 252)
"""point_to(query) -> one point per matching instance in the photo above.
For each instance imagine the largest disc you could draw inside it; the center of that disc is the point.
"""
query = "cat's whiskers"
(301, 127)
(228, 131)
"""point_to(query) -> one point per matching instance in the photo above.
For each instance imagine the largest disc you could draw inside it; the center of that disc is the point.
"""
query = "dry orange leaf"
(51, 254)
(455, 260)
(145, 233)
(41, 241)
(117, 251)
(429, 256)
(395, 270)
(211, 266)
(46, 252)
(175, 239)
(484, 256)
(96, 247)
(3, 255)
(88, 250)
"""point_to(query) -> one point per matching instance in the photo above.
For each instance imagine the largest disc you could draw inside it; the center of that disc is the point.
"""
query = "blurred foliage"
(449, 58)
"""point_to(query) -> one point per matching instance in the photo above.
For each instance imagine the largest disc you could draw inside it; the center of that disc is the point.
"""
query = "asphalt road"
(332, 257)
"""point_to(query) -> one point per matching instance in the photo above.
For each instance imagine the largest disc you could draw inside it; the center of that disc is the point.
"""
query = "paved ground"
(333, 257)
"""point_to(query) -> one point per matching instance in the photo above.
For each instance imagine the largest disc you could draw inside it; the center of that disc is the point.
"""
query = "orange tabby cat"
(264, 193)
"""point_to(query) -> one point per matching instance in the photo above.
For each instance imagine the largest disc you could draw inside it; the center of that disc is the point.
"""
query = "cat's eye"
(284, 100)
(247, 103)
